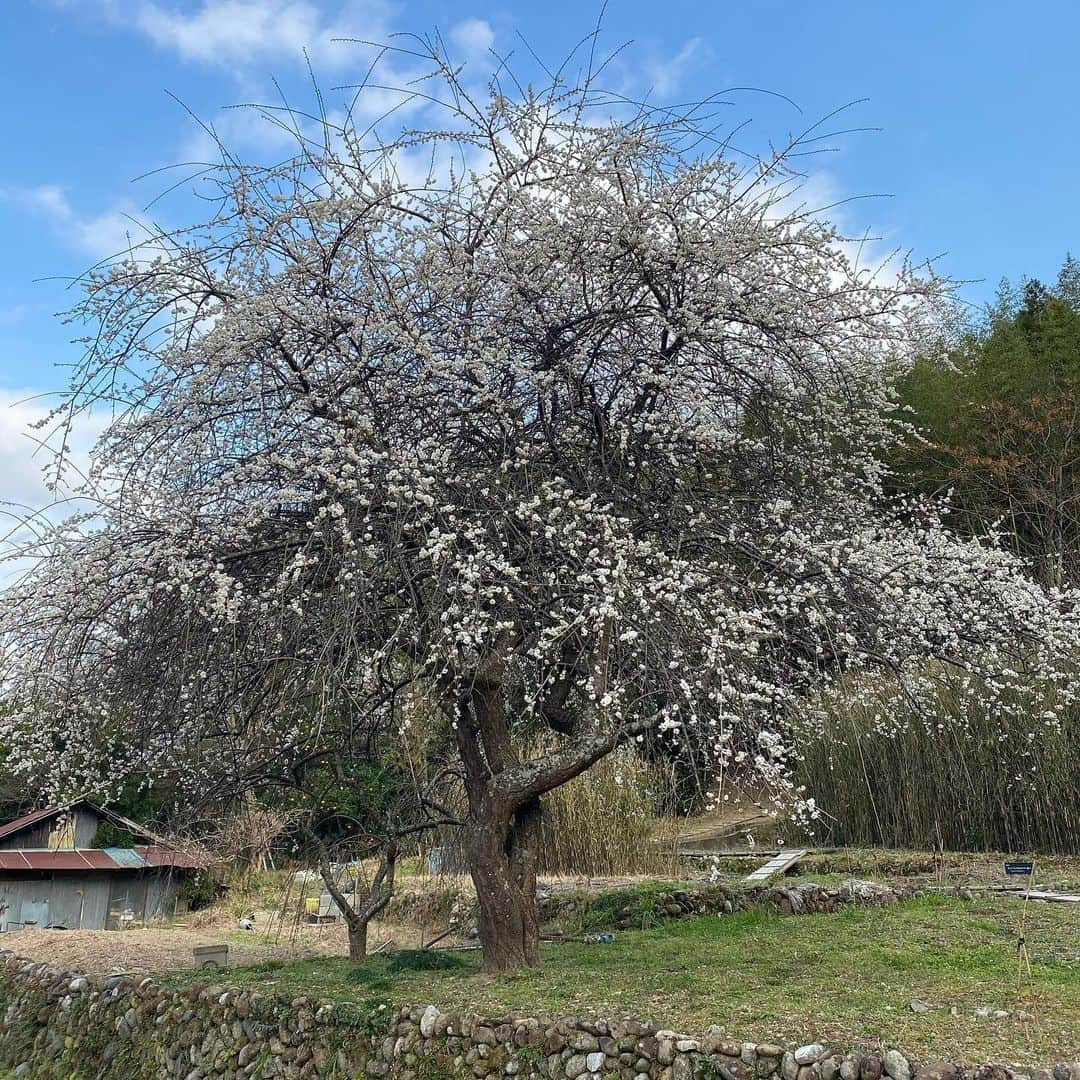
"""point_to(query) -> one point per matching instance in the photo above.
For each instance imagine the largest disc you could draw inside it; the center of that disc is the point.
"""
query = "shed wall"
(86, 827)
(83, 900)
(35, 836)
(79, 900)
(160, 893)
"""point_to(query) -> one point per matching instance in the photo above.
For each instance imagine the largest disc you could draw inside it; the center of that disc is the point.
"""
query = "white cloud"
(665, 75)
(246, 36)
(107, 234)
(473, 37)
(99, 236)
(48, 198)
(819, 195)
(21, 459)
(233, 30)
(242, 32)
(239, 129)
(26, 457)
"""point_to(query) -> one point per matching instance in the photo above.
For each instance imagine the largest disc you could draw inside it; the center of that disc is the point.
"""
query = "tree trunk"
(358, 912)
(502, 861)
(358, 940)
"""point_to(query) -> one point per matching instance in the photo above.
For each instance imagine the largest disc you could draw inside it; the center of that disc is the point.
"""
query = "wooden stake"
(1023, 960)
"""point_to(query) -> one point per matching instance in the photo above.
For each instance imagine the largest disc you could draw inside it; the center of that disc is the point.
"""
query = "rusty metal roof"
(154, 852)
(109, 859)
(27, 820)
(35, 859)
(162, 855)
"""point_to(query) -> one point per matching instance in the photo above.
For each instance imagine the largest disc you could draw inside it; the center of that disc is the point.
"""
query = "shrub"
(424, 960)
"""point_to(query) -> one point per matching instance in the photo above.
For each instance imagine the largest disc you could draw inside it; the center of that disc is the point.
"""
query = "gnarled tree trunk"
(358, 940)
(503, 855)
(504, 792)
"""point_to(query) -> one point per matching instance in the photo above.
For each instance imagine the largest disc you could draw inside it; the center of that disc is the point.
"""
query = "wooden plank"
(1044, 895)
(777, 865)
(721, 853)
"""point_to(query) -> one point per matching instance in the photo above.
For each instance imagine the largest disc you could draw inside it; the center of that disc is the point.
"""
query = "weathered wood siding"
(86, 826)
(74, 829)
(36, 836)
(90, 901)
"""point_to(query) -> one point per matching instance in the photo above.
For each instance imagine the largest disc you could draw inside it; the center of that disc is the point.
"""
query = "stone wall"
(796, 898)
(456, 907)
(56, 1024)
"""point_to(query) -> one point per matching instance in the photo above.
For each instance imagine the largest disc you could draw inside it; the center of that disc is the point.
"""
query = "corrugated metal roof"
(98, 859)
(56, 860)
(159, 855)
(109, 859)
(156, 853)
(125, 857)
(27, 820)
(33, 859)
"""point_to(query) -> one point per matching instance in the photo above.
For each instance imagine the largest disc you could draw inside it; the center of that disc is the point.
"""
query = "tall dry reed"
(607, 821)
(616, 819)
(963, 778)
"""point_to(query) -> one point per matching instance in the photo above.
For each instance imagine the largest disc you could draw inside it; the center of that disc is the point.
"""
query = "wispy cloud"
(27, 505)
(111, 232)
(21, 458)
(819, 194)
(239, 130)
(473, 37)
(246, 36)
(27, 448)
(236, 30)
(666, 75)
(250, 32)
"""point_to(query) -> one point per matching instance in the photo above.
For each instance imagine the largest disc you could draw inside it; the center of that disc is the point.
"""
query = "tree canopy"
(554, 423)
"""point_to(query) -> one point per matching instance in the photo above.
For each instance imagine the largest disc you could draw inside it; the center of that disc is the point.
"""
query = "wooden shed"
(52, 875)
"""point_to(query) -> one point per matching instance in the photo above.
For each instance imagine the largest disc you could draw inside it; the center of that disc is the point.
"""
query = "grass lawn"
(845, 979)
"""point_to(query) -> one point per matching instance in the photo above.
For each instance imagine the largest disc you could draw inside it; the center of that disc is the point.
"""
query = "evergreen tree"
(998, 422)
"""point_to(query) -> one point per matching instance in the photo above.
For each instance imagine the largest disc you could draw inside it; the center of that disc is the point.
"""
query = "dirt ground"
(170, 946)
(163, 948)
(160, 949)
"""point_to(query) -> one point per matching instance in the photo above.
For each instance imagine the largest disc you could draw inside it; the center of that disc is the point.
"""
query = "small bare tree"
(368, 897)
(401, 805)
(247, 836)
(359, 908)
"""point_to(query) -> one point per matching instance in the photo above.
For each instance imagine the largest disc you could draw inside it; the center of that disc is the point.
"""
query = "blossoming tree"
(554, 414)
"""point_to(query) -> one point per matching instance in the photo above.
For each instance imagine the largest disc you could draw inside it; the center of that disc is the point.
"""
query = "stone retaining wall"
(56, 1024)
(458, 908)
(799, 898)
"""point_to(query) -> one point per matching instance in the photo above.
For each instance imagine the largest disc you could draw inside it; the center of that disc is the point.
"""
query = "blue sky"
(978, 152)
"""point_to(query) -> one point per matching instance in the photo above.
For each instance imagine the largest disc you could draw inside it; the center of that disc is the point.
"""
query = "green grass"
(845, 979)
(601, 911)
